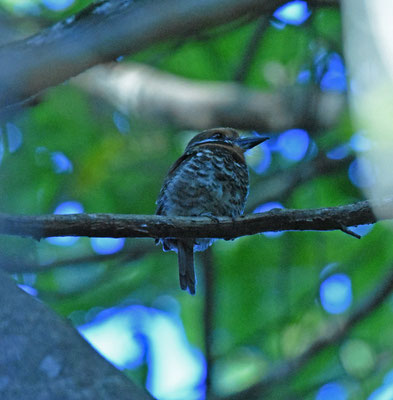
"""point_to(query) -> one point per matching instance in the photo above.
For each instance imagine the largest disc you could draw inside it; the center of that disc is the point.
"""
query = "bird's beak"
(247, 143)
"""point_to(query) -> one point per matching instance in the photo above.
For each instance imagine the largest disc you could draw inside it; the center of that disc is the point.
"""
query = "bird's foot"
(210, 216)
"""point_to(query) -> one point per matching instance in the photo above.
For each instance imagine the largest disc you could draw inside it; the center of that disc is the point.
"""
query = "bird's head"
(225, 137)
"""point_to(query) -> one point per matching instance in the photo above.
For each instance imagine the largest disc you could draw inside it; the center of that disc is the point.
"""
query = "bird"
(210, 179)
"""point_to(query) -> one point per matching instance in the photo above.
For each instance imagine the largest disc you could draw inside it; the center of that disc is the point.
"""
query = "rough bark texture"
(44, 358)
(155, 226)
(107, 30)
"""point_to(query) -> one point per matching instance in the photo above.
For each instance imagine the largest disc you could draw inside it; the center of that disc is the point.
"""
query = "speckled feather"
(209, 179)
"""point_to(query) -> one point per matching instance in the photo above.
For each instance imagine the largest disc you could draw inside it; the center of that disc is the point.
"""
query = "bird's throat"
(236, 151)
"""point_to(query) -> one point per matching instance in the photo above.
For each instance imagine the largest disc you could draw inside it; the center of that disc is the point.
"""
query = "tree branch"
(43, 357)
(187, 104)
(282, 183)
(13, 263)
(251, 49)
(105, 31)
(337, 332)
(155, 226)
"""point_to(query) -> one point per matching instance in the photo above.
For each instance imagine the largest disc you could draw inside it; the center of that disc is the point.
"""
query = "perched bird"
(209, 179)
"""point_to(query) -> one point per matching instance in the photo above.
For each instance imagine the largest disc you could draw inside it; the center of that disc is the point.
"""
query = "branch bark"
(105, 31)
(43, 357)
(155, 226)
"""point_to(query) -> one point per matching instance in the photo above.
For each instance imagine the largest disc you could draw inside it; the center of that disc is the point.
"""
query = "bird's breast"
(210, 182)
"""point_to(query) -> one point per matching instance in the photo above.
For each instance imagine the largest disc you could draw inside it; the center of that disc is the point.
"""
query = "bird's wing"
(178, 162)
(171, 171)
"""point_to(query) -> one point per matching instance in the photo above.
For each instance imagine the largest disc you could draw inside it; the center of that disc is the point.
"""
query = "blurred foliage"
(266, 292)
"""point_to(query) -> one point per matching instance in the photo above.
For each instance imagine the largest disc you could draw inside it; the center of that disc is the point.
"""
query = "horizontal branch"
(155, 226)
(189, 104)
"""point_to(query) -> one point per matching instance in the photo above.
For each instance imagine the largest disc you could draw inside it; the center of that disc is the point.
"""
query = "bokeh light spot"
(293, 13)
(384, 392)
(360, 173)
(336, 293)
(267, 207)
(111, 335)
(107, 245)
(388, 378)
(14, 137)
(23, 7)
(332, 391)
(176, 370)
(362, 230)
(57, 5)
(277, 24)
(359, 142)
(128, 336)
(339, 152)
(334, 78)
(293, 144)
(68, 207)
(28, 289)
(357, 357)
(61, 163)
(304, 76)
(121, 122)
(1, 146)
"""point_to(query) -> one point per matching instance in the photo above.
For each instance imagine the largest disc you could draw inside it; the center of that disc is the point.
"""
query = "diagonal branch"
(106, 30)
(251, 49)
(282, 183)
(337, 332)
(117, 225)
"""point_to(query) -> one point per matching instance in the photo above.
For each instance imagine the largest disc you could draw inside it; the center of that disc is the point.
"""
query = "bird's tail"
(185, 254)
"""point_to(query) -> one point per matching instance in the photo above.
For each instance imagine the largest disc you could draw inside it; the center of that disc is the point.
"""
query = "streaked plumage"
(209, 179)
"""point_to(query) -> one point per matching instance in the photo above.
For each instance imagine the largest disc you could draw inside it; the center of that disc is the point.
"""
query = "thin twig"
(349, 232)
(281, 184)
(17, 265)
(337, 332)
(251, 49)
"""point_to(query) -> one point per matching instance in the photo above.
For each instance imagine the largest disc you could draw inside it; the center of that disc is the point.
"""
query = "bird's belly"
(200, 188)
(212, 191)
